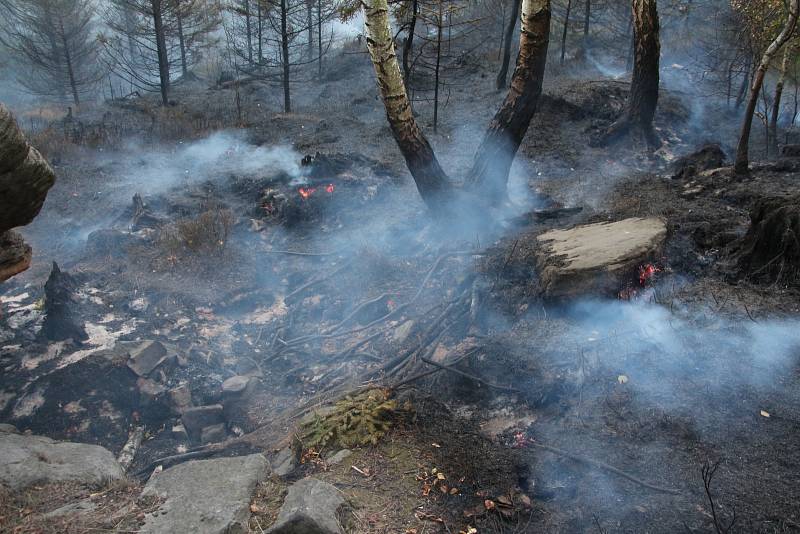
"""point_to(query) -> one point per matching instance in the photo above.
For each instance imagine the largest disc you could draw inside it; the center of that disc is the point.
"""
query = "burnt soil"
(604, 386)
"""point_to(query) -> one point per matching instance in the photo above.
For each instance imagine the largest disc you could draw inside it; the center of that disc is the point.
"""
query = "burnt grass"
(229, 308)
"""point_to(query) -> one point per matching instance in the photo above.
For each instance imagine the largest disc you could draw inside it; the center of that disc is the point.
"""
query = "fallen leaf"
(254, 509)
(453, 491)
(440, 476)
(436, 445)
(764, 413)
(622, 379)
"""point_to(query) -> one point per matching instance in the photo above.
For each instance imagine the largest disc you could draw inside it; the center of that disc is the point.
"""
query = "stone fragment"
(213, 434)
(595, 259)
(197, 418)
(205, 496)
(5, 427)
(148, 355)
(284, 462)
(339, 457)
(311, 507)
(181, 398)
(26, 460)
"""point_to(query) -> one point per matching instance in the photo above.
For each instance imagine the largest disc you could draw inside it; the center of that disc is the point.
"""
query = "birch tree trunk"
(742, 164)
(489, 173)
(776, 102)
(431, 180)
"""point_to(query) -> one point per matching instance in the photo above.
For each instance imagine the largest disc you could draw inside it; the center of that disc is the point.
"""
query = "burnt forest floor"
(698, 368)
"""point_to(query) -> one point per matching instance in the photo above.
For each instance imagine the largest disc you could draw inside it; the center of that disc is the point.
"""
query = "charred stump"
(709, 156)
(59, 299)
(770, 250)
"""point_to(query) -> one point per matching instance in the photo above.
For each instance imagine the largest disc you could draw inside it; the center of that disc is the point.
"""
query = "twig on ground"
(604, 466)
(708, 472)
(470, 376)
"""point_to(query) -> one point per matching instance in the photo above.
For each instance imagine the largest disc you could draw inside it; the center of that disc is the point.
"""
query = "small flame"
(306, 192)
(647, 272)
(330, 188)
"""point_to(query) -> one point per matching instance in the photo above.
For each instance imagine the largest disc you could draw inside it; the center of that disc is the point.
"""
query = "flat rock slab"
(311, 507)
(26, 460)
(205, 496)
(595, 259)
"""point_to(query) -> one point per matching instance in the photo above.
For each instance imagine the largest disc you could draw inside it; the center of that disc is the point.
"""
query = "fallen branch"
(467, 375)
(604, 466)
(128, 452)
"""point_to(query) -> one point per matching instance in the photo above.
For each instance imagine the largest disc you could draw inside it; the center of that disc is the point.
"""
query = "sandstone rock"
(15, 255)
(26, 460)
(197, 418)
(594, 259)
(311, 507)
(5, 427)
(205, 496)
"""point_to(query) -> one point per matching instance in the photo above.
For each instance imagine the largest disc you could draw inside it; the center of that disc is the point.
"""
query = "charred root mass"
(770, 251)
(59, 322)
(637, 119)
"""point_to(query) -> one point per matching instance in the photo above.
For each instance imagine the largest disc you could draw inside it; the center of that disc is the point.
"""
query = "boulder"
(311, 507)
(595, 259)
(26, 460)
(284, 462)
(205, 496)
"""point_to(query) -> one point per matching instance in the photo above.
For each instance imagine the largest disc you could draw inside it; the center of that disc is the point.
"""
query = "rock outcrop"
(25, 179)
(311, 507)
(27, 460)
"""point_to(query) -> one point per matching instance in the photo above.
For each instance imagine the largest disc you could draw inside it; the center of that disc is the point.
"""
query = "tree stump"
(770, 251)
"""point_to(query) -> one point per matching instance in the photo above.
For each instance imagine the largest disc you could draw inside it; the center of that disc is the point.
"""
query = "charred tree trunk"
(319, 38)
(181, 39)
(564, 33)
(742, 164)
(161, 50)
(287, 96)
(745, 82)
(70, 70)
(408, 45)
(310, 24)
(431, 180)
(439, 24)
(489, 173)
(512, 24)
(776, 103)
(640, 108)
(260, 31)
(249, 30)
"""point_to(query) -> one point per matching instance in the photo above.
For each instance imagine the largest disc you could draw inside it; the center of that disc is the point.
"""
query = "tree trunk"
(742, 164)
(319, 38)
(586, 16)
(161, 50)
(181, 40)
(489, 173)
(564, 34)
(310, 23)
(70, 71)
(260, 30)
(640, 108)
(408, 45)
(512, 24)
(249, 31)
(439, 24)
(287, 97)
(745, 81)
(431, 181)
(776, 102)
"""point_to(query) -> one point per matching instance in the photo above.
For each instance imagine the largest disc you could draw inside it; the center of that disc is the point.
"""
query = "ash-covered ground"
(256, 268)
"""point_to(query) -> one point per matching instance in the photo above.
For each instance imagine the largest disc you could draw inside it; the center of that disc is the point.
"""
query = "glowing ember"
(306, 192)
(646, 272)
(330, 188)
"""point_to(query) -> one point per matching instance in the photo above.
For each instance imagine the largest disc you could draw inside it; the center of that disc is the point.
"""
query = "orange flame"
(330, 188)
(306, 192)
